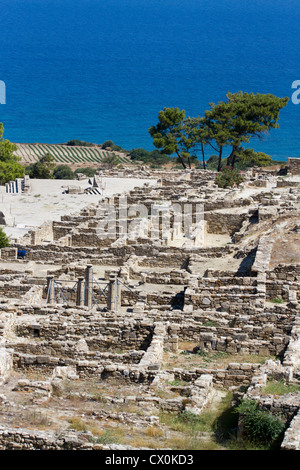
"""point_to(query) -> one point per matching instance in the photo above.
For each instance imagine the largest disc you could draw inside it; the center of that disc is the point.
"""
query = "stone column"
(88, 286)
(33, 237)
(80, 292)
(50, 290)
(114, 294)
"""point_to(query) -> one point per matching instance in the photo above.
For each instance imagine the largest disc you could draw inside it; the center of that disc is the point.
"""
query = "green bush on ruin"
(228, 177)
(258, 425)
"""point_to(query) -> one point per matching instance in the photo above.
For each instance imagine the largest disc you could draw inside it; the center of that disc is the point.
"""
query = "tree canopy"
(154, 157)
(10, 168)
(42, 169)
(87, 171)
(228, 123)
(248, 157)
(173, 135)
(79, 143)
(245, 158)
(241, 117)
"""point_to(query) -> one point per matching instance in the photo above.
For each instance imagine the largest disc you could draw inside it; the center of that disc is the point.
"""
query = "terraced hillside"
(65, 154)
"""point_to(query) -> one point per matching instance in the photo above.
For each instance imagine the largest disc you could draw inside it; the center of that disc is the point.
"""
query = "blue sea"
(100, 70)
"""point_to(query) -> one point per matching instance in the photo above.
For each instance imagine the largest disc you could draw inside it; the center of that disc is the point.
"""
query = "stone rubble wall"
(42, 233)
(26, 439)
(291, 440)
(99, 333)
(263, 254)
(222, 223)
(294, 166)
(154, 354)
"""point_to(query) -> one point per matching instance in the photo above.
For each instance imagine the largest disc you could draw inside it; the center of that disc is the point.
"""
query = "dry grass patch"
(188, 357)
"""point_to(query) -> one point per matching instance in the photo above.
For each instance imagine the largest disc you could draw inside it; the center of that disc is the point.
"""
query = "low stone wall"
(9, 253)
(99, 333)
(223, 299)
(154, 353)
(291, 440)
(75, 350)
(224, 223)
(291, 355)
(282, 291)
(287, 184)
(221, 281)
(263, 255)
(13, 291)
(283, 282)
(25, 439)
(42, 233)
(282, 272)
(236, 375)
(258, 333)
(294, 166)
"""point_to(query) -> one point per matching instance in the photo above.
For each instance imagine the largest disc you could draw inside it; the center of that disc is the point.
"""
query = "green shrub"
(108, 144)
(277, 300)
(4, 240)
(87, 171)
(63, 172)
(110, 161)
(228, 177)
(187, 422)
(42, 169)
(154, 158)
(259, 426)
(79, 143)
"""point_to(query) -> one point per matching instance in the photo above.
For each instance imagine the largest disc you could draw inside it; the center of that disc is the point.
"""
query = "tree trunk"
(233, 160)
(220, 157)
(181, 161)
(232, 156)
(203, 159)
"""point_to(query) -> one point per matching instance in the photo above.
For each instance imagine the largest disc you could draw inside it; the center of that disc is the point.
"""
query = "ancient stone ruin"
(114, 309)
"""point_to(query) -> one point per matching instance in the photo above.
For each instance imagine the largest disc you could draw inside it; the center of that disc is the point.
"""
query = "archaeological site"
(132, 317)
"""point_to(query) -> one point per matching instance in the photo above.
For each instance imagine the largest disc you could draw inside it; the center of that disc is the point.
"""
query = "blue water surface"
(100, 70)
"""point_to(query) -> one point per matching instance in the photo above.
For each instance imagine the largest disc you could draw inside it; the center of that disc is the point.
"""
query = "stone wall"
(224, 223)
(234, 375)
(8, 253)
(283, 272)
(283, 282)
(101, 333)
(294, 166)
(26, 439)
(42, 233)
